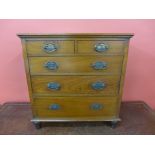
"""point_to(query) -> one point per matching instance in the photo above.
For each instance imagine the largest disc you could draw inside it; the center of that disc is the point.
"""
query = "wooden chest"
(75, 77)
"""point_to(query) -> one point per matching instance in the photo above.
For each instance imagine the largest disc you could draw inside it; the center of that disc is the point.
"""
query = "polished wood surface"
(35, 48)
(78, 65)
(75, 35)
(75, 85)
(88, 47)
(123, 75)
(71, 107)
(74, 56)
(27, 71)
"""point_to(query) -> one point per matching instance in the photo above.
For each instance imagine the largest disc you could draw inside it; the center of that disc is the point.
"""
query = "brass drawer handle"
(53, 85)
(49, 47)
(51, 65)
(101, 47)
(54, 106)
(99, 65)
(96, 106)
(98, 85)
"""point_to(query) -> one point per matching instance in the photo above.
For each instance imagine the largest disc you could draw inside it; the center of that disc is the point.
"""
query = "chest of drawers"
(75, 77)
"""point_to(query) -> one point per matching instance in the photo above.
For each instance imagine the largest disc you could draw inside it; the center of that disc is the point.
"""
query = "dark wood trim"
(76, 119)
(82, 35)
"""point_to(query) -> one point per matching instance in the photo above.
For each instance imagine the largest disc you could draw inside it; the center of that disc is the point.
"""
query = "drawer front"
(91, 64)
(75, 106)
(100, 47)
(49, 48)
(64, 85)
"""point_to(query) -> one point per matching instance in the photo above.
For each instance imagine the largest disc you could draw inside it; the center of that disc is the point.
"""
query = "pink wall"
(140, 77)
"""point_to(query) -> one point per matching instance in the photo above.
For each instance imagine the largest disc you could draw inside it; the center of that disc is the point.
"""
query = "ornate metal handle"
(101, 47)
(50, 47)
(51, 65)
(98, 85)
(99, 65)
(54, 106)
(96, 106)
(53, 86)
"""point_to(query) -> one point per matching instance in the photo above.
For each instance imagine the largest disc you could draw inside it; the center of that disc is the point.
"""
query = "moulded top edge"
(36, 35)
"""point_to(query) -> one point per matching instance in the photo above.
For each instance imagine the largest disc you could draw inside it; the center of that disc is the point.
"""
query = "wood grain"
(75, 35)
(75, 84)
(77, 65)
(75, 106)
(123, 74)
(74, 55)
(88, 47)
(35, 48)
(27, 71)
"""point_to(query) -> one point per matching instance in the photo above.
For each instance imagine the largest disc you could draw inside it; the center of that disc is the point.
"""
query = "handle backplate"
(51, 65)
(98, 85)
(99, 65)
(53, 85)
(101, 47)
(49, 47)
(54, 106)
(96, 106)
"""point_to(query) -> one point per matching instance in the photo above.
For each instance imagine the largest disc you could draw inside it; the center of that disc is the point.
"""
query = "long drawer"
(50, 47)
(75, 106)
(64, 85)
(68, 65)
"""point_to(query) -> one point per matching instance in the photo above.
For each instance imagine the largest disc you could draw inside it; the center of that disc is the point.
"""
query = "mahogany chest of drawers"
(75, 77)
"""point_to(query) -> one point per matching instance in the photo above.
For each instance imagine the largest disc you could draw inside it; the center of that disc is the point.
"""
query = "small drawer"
(49, 48)
(65, 85)
(75, 65)
(57, 107)
(100, 47)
